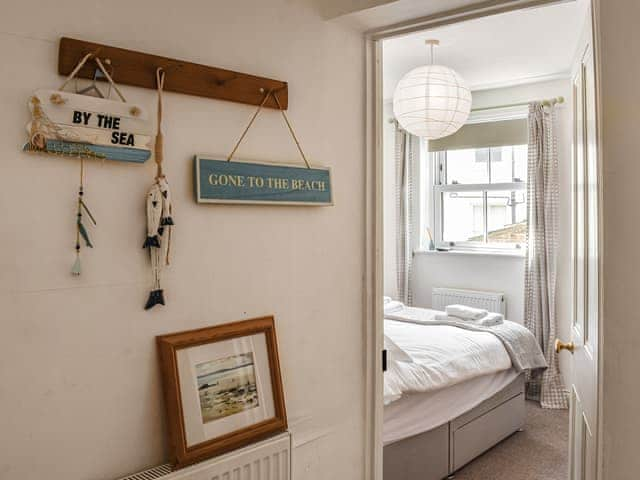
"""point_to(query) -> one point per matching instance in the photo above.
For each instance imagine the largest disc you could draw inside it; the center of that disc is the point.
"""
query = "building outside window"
(479, 198)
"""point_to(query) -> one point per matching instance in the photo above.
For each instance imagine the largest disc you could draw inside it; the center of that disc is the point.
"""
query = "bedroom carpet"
(538, 453)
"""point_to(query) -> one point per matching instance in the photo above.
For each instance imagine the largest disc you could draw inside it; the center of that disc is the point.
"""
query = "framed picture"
(223, 388)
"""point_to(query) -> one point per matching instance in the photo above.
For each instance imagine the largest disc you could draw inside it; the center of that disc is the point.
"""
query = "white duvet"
(441, 356)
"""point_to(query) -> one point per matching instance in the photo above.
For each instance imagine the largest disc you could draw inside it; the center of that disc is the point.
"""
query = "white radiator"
(491, 301)
(267, 460)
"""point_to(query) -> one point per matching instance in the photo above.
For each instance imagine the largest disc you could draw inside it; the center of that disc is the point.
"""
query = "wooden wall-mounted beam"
(139, 69)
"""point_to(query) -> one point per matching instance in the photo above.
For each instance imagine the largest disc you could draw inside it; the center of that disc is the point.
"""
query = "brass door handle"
(564, 346)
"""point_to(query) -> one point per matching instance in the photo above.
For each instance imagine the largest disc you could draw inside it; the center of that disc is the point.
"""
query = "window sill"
(483, 253)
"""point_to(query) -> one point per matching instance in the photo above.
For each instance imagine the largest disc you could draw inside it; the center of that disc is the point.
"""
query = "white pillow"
(393, 307)
(392, 378)
(395, 353)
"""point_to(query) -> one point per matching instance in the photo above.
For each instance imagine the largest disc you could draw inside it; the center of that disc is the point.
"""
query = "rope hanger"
(81, 63)
(159, 150)
(273, 94)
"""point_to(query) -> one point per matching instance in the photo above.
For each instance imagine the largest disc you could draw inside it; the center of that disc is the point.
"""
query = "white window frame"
(438, 163)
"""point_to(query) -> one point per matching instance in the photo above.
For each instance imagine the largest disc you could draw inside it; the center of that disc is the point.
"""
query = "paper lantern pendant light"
(432, 101)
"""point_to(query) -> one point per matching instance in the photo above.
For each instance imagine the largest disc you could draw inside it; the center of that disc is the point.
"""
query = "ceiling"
(512, 48)
(330, 9)
(372, 15)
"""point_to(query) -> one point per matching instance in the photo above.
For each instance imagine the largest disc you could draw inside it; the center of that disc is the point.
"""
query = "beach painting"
(226, 386)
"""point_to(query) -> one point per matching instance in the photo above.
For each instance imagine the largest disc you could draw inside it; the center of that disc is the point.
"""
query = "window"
(480, 197)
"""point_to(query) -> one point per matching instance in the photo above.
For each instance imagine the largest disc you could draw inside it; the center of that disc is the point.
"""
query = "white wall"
(496, 273)
(80, 387)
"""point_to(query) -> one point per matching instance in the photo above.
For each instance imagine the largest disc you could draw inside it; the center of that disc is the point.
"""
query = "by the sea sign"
(71, 124)
(221, 181)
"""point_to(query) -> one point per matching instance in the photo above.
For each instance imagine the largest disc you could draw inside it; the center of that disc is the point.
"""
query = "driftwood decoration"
(159, 214)
(86, 126)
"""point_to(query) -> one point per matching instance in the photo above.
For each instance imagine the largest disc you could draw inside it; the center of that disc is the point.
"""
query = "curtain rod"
(547, 103)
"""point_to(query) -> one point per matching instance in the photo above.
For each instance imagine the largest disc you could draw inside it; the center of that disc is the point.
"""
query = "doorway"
(579, 264)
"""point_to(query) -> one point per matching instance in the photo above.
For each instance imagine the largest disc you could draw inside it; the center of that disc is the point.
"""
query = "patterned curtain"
(542, 251)
(406, 153)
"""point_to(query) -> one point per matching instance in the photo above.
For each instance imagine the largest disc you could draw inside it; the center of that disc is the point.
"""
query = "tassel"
(75, 270)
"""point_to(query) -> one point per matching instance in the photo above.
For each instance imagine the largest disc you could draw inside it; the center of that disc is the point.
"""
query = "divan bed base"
(440, 452)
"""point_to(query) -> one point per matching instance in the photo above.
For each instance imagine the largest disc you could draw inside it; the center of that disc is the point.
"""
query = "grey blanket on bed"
(518, 341)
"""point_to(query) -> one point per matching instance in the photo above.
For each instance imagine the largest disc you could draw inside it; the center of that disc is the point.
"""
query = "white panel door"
(584, 363)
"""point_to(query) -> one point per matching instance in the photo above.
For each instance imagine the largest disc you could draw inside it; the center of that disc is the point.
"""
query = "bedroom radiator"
(491, 301)
(267, 460)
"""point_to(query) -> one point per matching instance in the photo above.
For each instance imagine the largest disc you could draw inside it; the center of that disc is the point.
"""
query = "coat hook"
(171, 68)
(212, 81)
(94, 53)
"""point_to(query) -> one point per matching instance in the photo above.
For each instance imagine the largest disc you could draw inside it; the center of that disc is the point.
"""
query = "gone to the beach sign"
(221, 181)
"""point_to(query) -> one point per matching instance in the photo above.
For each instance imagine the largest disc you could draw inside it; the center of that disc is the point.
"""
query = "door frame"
(373, 288)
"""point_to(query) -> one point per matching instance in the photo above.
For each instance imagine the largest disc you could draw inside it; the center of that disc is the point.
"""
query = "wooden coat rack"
(139, 69)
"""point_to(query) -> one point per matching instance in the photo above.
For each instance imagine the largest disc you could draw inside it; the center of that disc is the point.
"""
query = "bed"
(450, 394)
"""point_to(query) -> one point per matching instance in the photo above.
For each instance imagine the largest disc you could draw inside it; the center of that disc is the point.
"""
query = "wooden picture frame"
(179, 353)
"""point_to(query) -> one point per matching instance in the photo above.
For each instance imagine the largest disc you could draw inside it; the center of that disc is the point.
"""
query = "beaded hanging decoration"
(81, 230)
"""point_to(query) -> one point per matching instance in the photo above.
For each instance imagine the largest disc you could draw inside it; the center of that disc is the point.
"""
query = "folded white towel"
(386, 299)
(465, 313)
(393, 306)
(489, 320)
